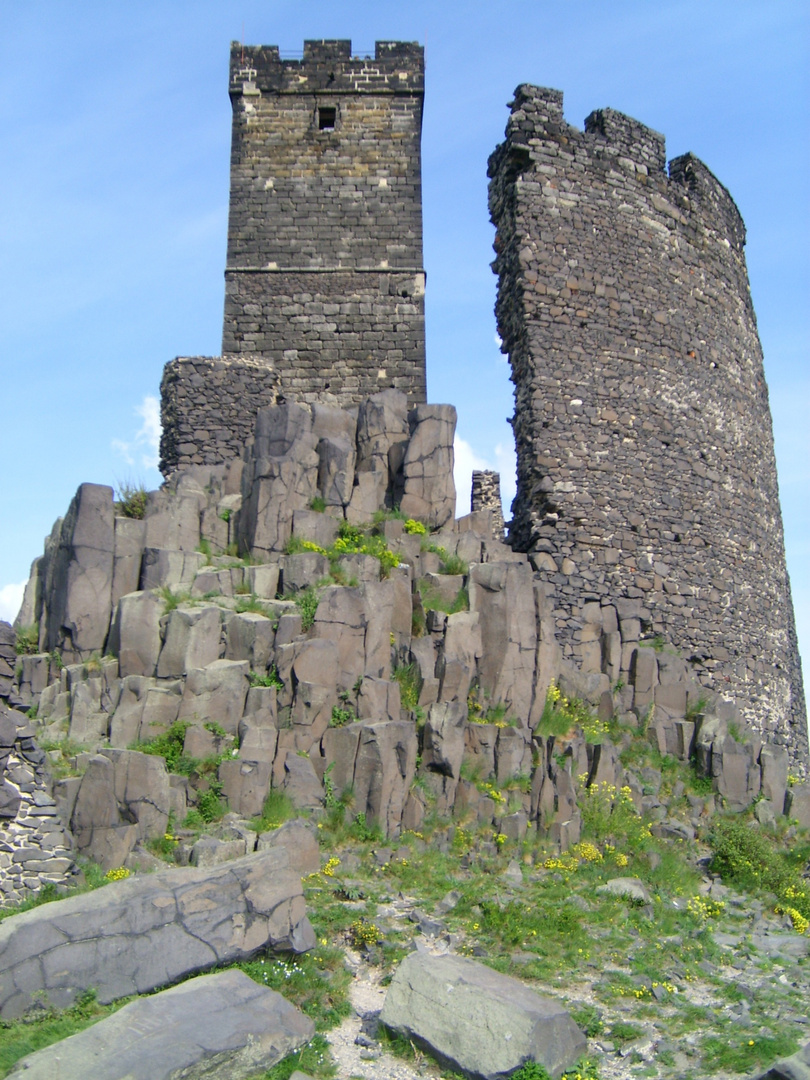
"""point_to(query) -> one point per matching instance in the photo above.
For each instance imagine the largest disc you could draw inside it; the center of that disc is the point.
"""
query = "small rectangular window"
(327, 115)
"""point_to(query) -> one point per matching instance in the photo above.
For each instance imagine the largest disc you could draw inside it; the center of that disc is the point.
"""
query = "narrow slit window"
(327, 116)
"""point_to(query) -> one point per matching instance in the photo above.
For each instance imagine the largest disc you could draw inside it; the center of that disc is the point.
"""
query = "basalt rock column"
(645, 453)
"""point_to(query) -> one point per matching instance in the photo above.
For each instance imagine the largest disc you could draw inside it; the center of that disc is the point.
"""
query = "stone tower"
(646, 473)
(324, 275)
(324, 282)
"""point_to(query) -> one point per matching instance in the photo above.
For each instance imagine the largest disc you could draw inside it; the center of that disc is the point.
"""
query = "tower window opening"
(327, 117)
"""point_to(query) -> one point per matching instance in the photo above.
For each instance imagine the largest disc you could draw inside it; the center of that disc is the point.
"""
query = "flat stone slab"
(478, 1021)
(215, 1026)
(138, 935)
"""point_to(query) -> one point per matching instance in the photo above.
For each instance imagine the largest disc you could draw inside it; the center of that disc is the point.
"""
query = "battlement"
(628, 138)
(704, 189)
(398, 67)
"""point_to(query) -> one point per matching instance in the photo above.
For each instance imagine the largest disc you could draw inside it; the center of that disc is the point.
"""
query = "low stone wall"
(208, 407)
(35, 848)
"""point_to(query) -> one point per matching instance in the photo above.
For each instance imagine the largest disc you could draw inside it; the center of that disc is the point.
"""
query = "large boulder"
(136, 935)
(478, 1021)
(214, 1025)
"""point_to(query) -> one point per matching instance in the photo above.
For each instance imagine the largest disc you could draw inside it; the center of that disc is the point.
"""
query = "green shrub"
(27, 641)
(318, 504)
(270, 679)
(453, 564)
(561, 714)
(132, 500)
(172, 600)
(307, 603)
(410, 684)
(415, 528)
(340, 717)
(210, 804)
(169, 746)
(748, 859)
(277, 809)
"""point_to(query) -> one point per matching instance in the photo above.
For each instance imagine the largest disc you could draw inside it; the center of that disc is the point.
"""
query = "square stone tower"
(324, 278)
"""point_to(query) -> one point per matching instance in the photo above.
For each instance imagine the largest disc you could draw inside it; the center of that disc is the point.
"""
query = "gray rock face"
(136, 935)
(476, 1020)
(214, 1025)
(429, 492)
(78, 588)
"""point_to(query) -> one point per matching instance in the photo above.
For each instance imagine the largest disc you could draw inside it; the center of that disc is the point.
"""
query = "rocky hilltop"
(310, 625)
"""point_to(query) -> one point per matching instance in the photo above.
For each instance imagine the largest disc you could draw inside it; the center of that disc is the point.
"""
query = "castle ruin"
(647, 487)
(324, 282)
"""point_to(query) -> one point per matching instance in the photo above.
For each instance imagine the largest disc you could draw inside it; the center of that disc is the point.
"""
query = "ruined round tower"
(647, 484)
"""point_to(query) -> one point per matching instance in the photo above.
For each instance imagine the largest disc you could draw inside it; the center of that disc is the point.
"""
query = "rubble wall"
(646, 469)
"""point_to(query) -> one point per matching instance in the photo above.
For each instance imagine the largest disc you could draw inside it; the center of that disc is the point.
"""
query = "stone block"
(226, 1017)
(139, 934)
(216, 692)
(135, 635)
(478, 1021)
(192, 640)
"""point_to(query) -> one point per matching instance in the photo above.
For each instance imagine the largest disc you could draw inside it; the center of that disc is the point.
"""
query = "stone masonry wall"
(646, 470)
(324, 275)
(208, 407)
(324, 283)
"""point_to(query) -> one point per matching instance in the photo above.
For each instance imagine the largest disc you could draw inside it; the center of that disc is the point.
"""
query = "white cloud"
(466, 460)
(144, 449)
(11, 598)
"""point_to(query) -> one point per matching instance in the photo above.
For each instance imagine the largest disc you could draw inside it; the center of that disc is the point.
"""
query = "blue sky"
(115, 128)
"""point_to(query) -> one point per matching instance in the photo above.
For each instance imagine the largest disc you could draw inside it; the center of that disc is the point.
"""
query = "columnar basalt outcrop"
(324, 282)
(646, 473)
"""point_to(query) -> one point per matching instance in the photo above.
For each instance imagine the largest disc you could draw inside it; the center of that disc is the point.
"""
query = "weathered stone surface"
(78, 588)
(215, 1025)
(477, 1020)
(301, 783)
(216, 692)
(502, 595)
(192, 640)
(429, 492)
(301, 571)
(443, 748)
(627, 888)
(250, 636)
(166, 568)
(135, 633)
(384, 770)
(245, 785)
(123, 796)
(136, 935)
(173, 521)
(797, 804)
(280, 477)
(300, 843)
(459, 655)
